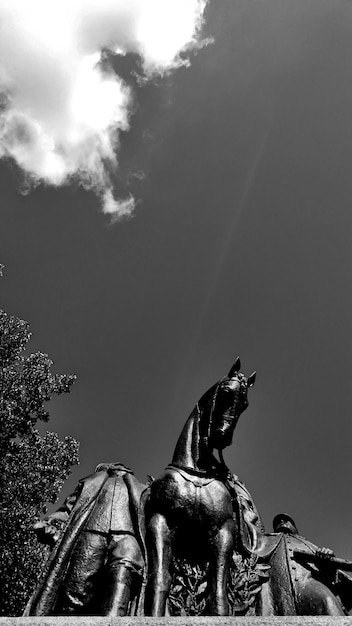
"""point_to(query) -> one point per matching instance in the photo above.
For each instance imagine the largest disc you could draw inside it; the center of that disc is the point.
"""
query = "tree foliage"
(33, 467)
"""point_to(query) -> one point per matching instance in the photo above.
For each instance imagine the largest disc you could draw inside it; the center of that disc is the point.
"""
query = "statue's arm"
(323, 560)
(63, 512)
(48, 529)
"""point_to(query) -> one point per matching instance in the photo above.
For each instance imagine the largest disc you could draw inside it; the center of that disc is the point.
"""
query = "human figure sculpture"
(300, 576)
(191, 510)
(97, 565)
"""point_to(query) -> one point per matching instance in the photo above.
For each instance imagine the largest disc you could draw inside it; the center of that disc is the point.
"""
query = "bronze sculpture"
(301, 576)
(97, 565)
(190, 543)
(192, 495)
(189, 592)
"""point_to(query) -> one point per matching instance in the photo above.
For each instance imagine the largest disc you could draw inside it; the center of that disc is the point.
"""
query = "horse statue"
(190, 510)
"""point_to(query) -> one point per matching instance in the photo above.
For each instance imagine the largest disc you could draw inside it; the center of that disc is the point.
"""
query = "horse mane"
(193, 441)
(206, 407)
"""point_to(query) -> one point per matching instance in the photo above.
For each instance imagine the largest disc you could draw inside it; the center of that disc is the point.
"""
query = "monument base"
(176, 621)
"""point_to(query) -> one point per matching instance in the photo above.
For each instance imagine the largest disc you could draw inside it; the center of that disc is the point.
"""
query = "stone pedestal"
(176, 621)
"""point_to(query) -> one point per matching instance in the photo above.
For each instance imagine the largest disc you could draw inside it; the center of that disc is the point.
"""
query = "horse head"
(228, 402)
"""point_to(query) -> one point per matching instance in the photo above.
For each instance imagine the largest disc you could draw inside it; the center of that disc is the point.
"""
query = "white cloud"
(63, 112)
(117, 208)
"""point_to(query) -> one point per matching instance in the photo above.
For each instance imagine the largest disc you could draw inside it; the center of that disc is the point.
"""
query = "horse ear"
(251, 379)
(235, 368)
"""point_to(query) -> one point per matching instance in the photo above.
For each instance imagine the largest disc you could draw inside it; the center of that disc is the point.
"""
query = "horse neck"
(189, 451)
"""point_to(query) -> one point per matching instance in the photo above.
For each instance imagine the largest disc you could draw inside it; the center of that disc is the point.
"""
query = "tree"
(33, 467)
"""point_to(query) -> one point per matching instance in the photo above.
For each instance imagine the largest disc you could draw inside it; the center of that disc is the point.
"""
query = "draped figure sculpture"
(97, 565)
(302, 577)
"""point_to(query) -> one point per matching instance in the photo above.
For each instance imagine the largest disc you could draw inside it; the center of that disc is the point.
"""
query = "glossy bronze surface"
(302, 577)
(97, 565)
(191, 543)
(191, 512)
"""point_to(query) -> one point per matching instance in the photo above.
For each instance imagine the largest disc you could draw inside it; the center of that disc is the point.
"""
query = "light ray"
(218, 269)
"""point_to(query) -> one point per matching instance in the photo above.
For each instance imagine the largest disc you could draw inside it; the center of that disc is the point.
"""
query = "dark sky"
(240, 244)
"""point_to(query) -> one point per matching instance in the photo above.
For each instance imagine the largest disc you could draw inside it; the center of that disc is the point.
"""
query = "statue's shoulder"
(94, 478)
(304, 544)
(133, 484)
(89, 485)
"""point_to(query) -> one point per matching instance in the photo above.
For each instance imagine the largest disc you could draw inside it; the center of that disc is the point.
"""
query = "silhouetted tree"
(33, 467)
